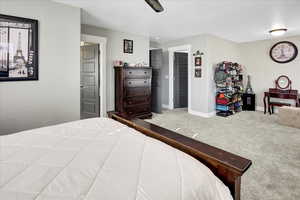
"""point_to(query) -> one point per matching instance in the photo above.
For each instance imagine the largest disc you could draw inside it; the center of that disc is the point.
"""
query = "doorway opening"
(156, 62)
(180, 77)
(89, 80)
(92, 76)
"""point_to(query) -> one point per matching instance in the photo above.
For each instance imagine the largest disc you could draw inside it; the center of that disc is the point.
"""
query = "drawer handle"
(145, 72)
(130, 72)
(129, 83)
(145, 81)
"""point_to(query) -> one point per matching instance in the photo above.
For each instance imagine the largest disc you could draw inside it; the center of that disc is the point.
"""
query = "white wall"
(254, 56)
(154, 45)
(198, 85)
(219, 50)
(263, 70)
(55, 98)
(202, 89)
(115, 52)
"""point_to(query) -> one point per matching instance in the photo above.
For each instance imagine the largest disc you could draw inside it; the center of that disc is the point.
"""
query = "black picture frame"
(19, 54)
(128, 46)
(287, 61)
(198, 73)
(198, 61)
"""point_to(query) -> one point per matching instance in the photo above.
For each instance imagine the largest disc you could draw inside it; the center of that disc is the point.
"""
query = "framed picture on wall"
(128, 46)
(18, 48)
(198, 61)
(198, 73)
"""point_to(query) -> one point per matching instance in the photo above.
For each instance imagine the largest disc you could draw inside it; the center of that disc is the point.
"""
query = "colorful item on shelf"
(229, 83)
(223, 101)
(222, 108)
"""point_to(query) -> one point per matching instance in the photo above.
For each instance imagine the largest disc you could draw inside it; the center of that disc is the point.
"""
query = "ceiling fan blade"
(155, 5)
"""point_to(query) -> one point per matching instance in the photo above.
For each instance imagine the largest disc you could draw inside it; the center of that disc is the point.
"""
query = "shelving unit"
(229, 84)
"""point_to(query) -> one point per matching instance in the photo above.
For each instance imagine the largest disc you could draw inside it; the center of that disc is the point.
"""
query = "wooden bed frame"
(226, 166)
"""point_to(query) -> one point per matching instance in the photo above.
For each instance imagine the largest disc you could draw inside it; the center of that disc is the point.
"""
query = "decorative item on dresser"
(133, 91)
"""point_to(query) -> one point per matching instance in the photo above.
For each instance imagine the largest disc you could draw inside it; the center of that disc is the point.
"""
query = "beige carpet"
(273, 149)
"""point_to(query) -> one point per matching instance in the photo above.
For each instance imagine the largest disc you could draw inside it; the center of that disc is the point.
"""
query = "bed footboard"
(226, 166)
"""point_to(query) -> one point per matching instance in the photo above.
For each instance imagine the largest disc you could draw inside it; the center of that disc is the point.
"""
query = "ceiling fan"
(155, 5)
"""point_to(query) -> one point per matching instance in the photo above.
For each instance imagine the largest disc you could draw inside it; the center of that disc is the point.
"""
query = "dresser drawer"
(138, 109)
(137, 83)
(134, 92)
(133, 101)
(137, 73)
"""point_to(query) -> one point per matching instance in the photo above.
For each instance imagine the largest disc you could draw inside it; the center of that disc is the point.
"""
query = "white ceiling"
(236, 20)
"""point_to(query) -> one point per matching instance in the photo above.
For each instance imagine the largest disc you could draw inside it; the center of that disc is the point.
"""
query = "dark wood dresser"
(133, 91)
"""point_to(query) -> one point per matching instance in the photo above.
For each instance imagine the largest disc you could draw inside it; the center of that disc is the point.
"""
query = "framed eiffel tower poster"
(18, 48)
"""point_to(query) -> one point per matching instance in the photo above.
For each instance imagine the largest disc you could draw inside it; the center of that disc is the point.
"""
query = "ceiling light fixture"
(278, 32)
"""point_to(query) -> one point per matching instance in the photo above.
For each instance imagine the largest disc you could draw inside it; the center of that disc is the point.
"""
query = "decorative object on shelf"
(248, 101)
(143, 64)
(198, 54)
(284, 52)
(118, 63)
(198, 61)
(283, 83)
(198, 58)
(198, 64)
(198, 73)
(128, 46)
(18, 49)
(229, 83)
(249, 89)
(125, 64)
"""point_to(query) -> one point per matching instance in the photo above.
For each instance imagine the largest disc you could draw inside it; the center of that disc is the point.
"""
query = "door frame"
(102, 41)
(187, 48)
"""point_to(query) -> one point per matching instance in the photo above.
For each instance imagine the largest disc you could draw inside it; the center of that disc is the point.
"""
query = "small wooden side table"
(249, 102)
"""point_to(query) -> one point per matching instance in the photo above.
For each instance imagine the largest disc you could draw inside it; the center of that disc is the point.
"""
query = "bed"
(109, 159)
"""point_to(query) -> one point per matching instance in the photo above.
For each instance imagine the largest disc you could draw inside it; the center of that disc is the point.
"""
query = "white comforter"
(100, 159)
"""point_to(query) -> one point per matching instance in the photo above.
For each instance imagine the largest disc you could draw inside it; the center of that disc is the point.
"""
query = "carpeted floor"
(273, 149)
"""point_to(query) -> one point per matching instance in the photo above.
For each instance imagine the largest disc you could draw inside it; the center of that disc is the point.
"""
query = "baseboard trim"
(202, 114)
(259, 108)
(165, 106)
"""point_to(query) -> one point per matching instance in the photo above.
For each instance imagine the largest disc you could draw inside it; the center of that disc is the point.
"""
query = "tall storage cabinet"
(133, 91)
